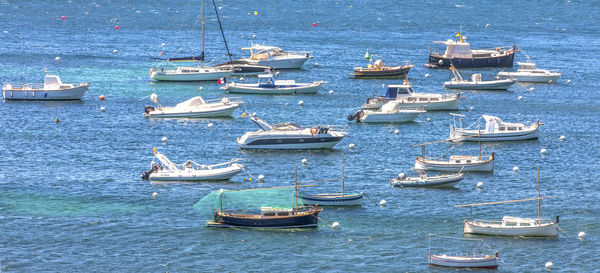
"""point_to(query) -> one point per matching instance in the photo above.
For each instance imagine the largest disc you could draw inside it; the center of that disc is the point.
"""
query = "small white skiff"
(438, 181)
(476, 83)
(391, 111)
(190, 170)
(513, 226)
(486, 261)
(268, 85)
(406, 97)
(189, 74)
(495, 130)
(52, 89)
(479, 254)
(528, 72)
(195, 107)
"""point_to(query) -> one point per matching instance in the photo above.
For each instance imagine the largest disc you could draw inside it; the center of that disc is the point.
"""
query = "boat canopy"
(492, 123)
(394, 90)
(457, 49)
(193, 102)
(287, 126)
(52, 82)
(527, 66)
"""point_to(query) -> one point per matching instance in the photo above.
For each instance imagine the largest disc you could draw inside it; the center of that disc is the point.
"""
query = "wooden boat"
(334, 199)
(479, 256)
(438, 181)
(191, 73)
(268, 217)
(195, 107)
(476, 83)
(267, 85)
(529, 72)
(513, 226)
(407, 97)
(392, 111)
(190, 170)
(459, 54)
(495, 130)
(379, 70)
(52, 89)
(455, 163)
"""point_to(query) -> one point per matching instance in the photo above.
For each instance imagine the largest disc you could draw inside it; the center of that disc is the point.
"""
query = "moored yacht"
(529, 72)
(406, 96)
(495, 130)
(52, 89)
(275, 57)
(459, 54)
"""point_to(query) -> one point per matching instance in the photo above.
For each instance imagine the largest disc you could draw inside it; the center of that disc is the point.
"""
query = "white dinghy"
(513, 226)
(52, 89)
(342, 198)
(438, 181)
(195, 107)
(407, 97)
(454, 163)
(529, 72)
(479, 255)
(476, 83)
(165, 170)
(495, 130)
(392, 111)
(269, 86)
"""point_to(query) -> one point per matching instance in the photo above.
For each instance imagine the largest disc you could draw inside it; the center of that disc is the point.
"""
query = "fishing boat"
(267, 217)
(269, 86)
(342, 198)
(378, 70)
(405, 96)
(529, 72)
(513, 226)
(454, 163)
(495, 130)
(459, 54)
(290, 135)
(391, 111)
(438, 181)
(476, 83)
(276, 57)
(191, 73)
(195, 107)
(166, 170)
(479, 255)
(52, 89)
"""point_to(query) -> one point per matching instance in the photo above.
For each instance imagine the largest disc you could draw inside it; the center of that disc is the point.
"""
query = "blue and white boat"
(290, 136)
(268, 85)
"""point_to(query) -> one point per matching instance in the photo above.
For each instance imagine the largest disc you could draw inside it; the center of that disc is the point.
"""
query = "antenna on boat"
(342, 174)
(539, 199)
(295, 189)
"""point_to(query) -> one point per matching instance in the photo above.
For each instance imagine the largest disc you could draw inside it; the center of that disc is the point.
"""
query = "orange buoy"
(314, 24)
(63, 18)
(56, 120)
(116, 27)
(102, 97)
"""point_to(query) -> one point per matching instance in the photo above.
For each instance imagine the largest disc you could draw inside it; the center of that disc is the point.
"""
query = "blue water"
(70, 194)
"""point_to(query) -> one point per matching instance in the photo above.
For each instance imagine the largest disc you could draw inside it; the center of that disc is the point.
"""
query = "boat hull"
(291, 143)
(218, 112)
(529, 78)
(445, 166)
(482, 85)
(198, 175)
(463, 262)
(75, 93)
(287, 63)
(303, 220)
(543, 230)
(188, 77)
(386, 73)
(474, 136)
(437, 61)
(333, 199)
(432, 182)
(248, 89)
(399, 117)
(444, 105)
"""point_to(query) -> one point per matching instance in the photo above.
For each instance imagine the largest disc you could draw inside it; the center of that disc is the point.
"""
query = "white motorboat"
(268, 85)
(275, 57)
(391, 111)
(342, 198)
(290, 136)
(52, 89)
(190, 170)
(476, 83)
(529, 72)
(195, 107)
(438, 181)
(405, 95)
(495, 130)
(479, 255)
(513, 226)
(456, 163)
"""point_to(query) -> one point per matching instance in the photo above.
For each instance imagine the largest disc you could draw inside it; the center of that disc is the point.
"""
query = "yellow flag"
(154, 150)
(458, 34)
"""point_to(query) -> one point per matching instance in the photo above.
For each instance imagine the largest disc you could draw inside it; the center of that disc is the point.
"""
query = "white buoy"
(242, 79)
(253, 36)
(351, 146)
(568, 81)
(562, 138)
(304, 161)
(115, 51)
(383, 85)
(520, 97)
(330, 92)
(543, 151)
(154, 195)
(102, 109)
(163, 45)
(316, 64)
(286, 104)
(581, 235)
(426, 75)
(471, 108)
(531, 89)
(57, 59)
(220, 8)
(549, 265)
(210, 125)
(487, 25)
(515, 169)
(335, 225)
(276, 73)
(396, 131)
(480, 185)
(261, 178)
(200, 88)
(382, 203)
(164, 139)
(301, 103)
(428, 119)
(401, 176)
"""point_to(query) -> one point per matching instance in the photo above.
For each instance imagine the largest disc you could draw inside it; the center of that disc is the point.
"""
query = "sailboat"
(480, 255)
(334, 199)
(513, 226)
(191, 73)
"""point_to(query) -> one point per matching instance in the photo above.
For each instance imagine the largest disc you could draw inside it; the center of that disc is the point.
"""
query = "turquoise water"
(70, 194)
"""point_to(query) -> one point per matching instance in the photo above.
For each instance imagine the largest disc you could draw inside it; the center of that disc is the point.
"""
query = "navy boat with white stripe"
(290, 136)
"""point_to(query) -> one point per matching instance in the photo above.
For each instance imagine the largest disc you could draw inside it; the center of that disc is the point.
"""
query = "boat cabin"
(287, 126)
(495, 124)
(510, 221)
(527, 66)
(463, 159)
(263, 52)
(398, 90)
(266, 80)
(53, 82)
(462, 49)
(266, 212)
(193, 102)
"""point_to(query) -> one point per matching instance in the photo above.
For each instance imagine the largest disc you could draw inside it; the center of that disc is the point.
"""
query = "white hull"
(333, 199)
(463, 261)
(446, 166)
(544, 230)
(179, 76)
(197, 175)
(444, 181)
(444, 105)
(254, 89)
(481, 85)
(215, 112)
(526, 77)
(375, 117)
(474, 136)
(289, 63)
(297, 146)
(75, 93)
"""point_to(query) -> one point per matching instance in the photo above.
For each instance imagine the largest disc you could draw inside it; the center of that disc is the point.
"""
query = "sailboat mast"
(296, 189)
(342, 173)
(203, 33)
(539, 199)
(479, 139)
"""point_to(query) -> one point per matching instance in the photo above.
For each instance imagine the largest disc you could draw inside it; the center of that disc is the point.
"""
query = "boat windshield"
(394, 91)
(288, 126)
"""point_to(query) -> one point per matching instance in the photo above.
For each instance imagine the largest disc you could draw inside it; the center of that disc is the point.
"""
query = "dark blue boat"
(460, 55)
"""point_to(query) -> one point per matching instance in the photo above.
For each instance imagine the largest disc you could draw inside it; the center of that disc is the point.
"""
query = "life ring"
(314, 130)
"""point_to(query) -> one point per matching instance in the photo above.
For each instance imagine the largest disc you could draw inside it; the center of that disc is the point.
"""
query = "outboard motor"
(148, 109)
(153, 168)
